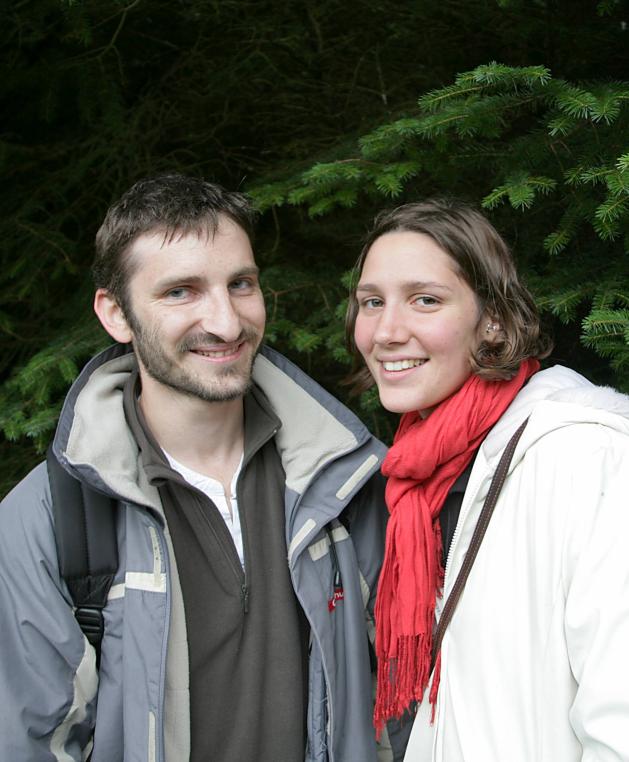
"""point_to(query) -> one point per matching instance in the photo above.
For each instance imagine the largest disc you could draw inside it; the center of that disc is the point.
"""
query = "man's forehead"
(227, 247)
(204, 231)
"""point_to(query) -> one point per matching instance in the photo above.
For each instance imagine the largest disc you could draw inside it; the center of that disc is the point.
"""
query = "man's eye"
(241, 283)
(178, 293)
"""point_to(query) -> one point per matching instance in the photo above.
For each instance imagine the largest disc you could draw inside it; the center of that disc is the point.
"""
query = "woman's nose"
(391, 327)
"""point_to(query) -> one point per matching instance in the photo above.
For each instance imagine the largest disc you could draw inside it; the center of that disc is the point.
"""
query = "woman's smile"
(418, 322)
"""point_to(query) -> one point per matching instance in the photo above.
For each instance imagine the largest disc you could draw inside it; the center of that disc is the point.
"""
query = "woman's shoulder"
(569, 399)
(556, 399)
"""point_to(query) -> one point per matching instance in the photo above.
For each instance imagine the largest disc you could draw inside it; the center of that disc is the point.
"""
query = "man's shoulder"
(272, 367)
(316, 428)
(34, 487)
(26, 516)
(292, 391)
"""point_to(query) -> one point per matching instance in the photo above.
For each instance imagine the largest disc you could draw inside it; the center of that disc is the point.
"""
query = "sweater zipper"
(230, 553)
(244, 587)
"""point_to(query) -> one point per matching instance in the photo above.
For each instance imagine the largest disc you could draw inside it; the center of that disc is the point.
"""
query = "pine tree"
(312, 108)
(546, 158)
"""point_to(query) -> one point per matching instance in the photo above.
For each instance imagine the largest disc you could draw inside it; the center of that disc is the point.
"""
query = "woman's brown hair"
(484, 262)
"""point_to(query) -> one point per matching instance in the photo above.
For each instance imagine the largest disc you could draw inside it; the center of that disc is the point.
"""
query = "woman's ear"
(111, 316)
(490, 329)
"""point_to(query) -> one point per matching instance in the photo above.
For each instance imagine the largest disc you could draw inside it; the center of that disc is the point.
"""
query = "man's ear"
(111, 316)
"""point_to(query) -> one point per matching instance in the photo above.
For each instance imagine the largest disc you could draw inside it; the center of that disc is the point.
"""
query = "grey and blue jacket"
(55, 704)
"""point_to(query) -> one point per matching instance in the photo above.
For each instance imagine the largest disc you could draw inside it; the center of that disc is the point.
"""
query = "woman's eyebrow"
(415, 285)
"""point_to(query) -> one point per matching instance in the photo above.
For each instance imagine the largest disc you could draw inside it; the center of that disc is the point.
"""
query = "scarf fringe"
(434, 688)
(413, 684)
(401, 679)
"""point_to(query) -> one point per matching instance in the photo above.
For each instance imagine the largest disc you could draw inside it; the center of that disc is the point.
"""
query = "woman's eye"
(426, 301)
(371, 303)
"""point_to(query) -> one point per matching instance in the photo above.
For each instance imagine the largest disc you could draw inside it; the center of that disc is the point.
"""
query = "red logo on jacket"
(336, 597)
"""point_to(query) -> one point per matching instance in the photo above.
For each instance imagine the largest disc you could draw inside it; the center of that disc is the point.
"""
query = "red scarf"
(427, 456)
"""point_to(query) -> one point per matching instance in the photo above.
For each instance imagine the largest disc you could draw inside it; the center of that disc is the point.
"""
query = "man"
(235, 628)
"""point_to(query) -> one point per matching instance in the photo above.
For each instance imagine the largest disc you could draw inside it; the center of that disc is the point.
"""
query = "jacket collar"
(260, 424)
(94, 441)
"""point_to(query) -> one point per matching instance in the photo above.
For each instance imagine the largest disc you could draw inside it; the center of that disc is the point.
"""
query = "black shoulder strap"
(85, 534)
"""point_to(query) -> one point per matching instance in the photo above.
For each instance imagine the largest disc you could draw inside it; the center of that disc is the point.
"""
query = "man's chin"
(211, 384)
(226, 393)
(225, 390)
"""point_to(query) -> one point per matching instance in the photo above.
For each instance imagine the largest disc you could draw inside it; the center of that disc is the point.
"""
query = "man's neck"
(207, 437)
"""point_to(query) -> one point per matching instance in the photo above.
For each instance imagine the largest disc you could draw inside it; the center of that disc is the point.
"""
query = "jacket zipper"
(463, 515)
(160, 539)
(457, 532)
(313, 630)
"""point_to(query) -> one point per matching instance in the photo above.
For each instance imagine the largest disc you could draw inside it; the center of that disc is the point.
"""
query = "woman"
(534, 664)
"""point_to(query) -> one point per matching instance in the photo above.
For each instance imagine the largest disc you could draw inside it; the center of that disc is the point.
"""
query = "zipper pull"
(245, 598)
(337, 593)
(337, 596)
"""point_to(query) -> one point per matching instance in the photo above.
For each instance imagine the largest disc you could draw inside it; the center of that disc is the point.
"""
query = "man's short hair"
(171, 204)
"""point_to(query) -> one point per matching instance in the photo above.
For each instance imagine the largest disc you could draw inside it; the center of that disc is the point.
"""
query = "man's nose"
(219, 317)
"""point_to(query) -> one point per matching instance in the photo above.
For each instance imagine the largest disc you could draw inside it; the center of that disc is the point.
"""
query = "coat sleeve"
(367, 517)
(596, 588)
(48, 679)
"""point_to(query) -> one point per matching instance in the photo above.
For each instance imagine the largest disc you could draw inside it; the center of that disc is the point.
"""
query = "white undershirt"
(214, 490)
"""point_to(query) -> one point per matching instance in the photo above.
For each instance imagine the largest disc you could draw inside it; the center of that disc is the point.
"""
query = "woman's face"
(418, 322)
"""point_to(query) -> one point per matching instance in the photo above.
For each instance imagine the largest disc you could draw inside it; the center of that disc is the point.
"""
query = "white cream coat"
(535, 662)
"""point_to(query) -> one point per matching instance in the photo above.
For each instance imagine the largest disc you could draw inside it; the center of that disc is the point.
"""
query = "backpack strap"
(87, 546)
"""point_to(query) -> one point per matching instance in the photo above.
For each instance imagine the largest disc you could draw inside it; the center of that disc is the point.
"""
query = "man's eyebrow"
(414, 285)
(253, 270)
(194, 280)
(176, 280)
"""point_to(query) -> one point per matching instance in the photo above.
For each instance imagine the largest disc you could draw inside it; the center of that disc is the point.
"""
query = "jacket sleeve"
(48, 679)
(367, 516)
(595, 570)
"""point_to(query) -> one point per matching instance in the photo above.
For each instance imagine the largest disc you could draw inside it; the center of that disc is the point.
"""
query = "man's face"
(196, 312)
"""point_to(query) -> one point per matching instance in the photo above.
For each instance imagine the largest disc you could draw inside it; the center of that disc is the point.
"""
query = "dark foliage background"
(314, 110)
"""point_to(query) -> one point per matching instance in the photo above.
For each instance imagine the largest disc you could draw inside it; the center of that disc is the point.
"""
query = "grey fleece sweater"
(246, 638)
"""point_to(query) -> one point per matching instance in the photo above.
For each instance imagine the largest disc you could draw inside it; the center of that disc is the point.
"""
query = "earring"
(492, 327)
